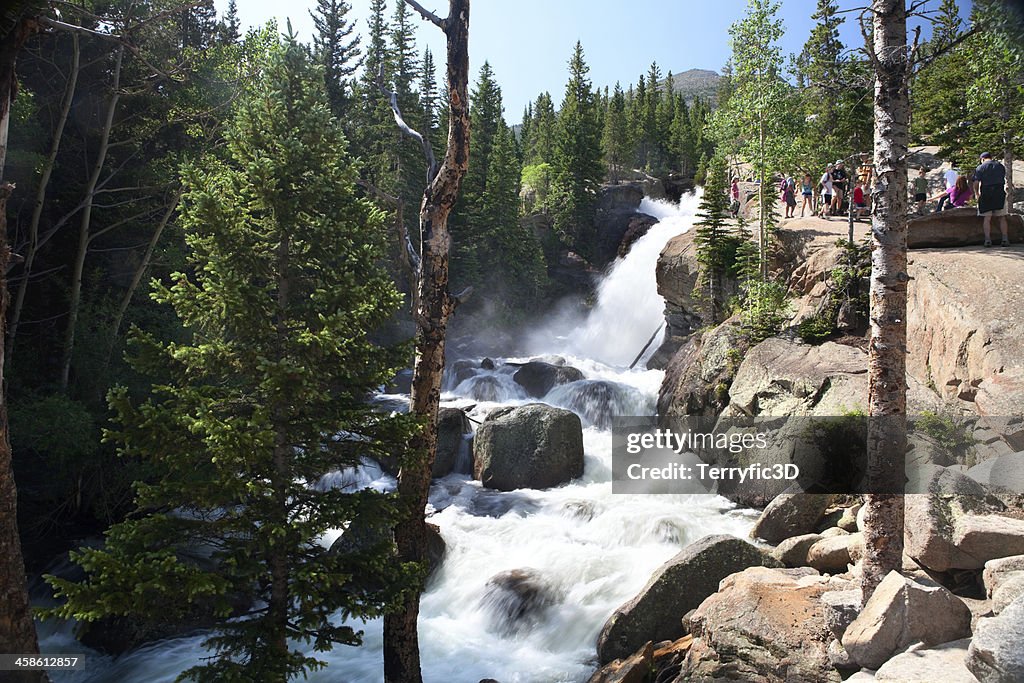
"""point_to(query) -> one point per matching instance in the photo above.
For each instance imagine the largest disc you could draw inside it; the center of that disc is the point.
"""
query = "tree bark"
(40, 200)
(84, 225)
(434, 305)
(17, 629)
(887, 399)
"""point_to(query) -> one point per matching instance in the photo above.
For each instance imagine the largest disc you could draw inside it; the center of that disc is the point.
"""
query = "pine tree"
(336, 49)
(374, 135)
(940, 111)
(198, 25)
(264, 398)
(682, 146)
(428, 102)
(715, 243)
(229, 30)
(577, 162)
(614, 139)
(541, 143)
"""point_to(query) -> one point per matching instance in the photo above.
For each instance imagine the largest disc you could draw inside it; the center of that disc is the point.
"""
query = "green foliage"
(614, 140)
(264, 399)
(715, 241)
(952, 435)
(577, 158)
(765, 305)
(336, 50)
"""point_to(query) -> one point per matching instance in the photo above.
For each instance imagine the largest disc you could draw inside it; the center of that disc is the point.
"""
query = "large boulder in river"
(538, 377)
(516, 600)
(765, 625)
(533, 446)
(453, 454)
(678, 586)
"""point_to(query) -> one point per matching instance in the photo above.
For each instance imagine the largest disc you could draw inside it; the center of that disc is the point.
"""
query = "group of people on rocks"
(832, 191)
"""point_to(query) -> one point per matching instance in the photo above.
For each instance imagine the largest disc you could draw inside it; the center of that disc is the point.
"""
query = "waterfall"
(628, 309)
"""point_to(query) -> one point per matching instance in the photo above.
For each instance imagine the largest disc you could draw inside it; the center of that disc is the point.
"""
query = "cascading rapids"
(529, 576)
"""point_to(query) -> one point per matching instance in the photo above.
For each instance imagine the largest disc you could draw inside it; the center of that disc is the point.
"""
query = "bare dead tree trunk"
(433, 306)
(887, 392)
(17, 630)
(40, 200)
(84, 225)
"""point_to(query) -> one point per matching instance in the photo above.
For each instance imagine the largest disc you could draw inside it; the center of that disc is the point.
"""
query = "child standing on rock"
(920, 190)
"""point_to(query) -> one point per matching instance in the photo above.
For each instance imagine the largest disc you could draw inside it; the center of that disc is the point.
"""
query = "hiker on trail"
(826, 190)
(957, 196)
(789, 196)
(920, 190)
(858, 199)
(989, 185)
(807, 191)
(950, 177)
(839, 186)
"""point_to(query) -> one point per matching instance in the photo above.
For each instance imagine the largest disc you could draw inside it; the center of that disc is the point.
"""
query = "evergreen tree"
(336, 49)
(429, 102)
(374, 133)
(614, 139)
(540, 145)
(198, 25)
(577, 163)
(682, 145)
(264, 398)
(714, 240)
(229, 30)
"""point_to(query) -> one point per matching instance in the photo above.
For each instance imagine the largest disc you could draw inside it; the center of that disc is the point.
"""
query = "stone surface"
(790, 514)
(698, 377)
(831, 554)
(538, 378)
(676, 587)
(792, 552)
(945, 663)
(1005, 470)
(901, 612)
(764, 625)
(935, 539)
(516, 600)
(1011, 588)
(633, 669)
(996, 654)
(955, 228)
(841, 608)
(453, 453)
(1000, 569)
(531, 446)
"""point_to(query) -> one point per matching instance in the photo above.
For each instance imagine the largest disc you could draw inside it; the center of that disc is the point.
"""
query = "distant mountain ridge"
(696, 83)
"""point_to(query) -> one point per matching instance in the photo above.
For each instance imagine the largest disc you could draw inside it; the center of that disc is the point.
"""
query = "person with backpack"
(839, 179)
(788, 192)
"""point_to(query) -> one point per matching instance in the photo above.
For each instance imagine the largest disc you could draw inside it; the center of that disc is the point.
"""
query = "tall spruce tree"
(336, 49)
(614, 139)
(264, 398)
(715, 242)
(577, 162)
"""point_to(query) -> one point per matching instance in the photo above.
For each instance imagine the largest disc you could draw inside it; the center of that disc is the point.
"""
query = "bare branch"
(869, 47)
(428, 16)
(912, 57)
(428, 151)
(927, 60)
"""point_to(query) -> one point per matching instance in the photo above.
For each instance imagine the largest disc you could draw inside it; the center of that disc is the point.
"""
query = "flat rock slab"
(945, 663)
(957, 228)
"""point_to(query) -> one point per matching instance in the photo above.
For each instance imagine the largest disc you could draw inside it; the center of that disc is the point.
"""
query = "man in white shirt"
(950, 177)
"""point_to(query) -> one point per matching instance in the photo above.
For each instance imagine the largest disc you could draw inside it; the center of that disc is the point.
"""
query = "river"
(591, 550)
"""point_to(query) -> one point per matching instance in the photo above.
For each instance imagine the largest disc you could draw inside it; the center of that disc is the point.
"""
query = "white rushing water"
(590, 550)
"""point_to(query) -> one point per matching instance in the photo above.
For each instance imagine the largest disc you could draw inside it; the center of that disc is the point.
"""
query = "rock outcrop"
(533, 446)
(956, 228)
(764, 625)
(680, 585)
(790, 514)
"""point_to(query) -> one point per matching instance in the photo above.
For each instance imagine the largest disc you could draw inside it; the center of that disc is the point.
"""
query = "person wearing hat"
(989, 186)
(838, 185)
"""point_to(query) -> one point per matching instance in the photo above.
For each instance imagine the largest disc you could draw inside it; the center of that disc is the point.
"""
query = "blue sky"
(528, 42)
